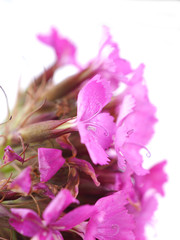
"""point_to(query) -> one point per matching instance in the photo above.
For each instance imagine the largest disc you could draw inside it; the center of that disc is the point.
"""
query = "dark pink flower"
(50, 161)
(28, 223)
(10, 155)
(95, 128)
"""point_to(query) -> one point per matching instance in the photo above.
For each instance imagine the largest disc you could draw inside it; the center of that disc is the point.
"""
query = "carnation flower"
(81, 143)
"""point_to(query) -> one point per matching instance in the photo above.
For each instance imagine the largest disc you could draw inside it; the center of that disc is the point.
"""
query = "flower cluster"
(72, 163)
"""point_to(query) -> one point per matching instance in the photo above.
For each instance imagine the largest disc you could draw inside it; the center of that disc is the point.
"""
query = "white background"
(147, 31)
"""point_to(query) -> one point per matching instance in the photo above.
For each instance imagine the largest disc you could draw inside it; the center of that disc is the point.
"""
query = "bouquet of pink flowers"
(72, 160)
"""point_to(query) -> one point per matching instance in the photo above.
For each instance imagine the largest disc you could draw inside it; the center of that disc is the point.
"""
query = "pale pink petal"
(155, 179)
(50, 161)
(137, 127)
(126, 108)
(25, 221)
(64, 49)
(109, 63)
(143, 113)
(135, 76)
(144, 216)
(22, 182)
(131, 153)
(57, 205)
(75, 217)
(92, 98)
(111, 220)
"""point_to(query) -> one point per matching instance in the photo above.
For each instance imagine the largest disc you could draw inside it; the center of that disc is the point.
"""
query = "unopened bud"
(42, 131)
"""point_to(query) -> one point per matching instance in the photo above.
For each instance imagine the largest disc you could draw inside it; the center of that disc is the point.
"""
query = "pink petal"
(92, 98)
(10, 155)
(155, 179)
(64, 49)
(143, 113)
(25, 221)
(50, 161)
(57, 205)
(48, 235)
(109, 63)
(43, 187)
(23, 181)
(96, 151)
(126, 108)
(85, 167)
(103, 127)
(111, 220)
(75, 217)
(144, 216)
(131, 153)
(97, 136)
(133, 134)
(128, 154)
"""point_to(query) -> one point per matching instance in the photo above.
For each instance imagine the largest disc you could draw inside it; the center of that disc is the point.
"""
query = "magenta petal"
(103, 127)
(57, 205)
(75, 217)
(10, 155)
(111, 219)
(97, 136)
(50, 161)
(95, 129)
(25, 221)
(92, 98)
(96, 152)
(23, 181)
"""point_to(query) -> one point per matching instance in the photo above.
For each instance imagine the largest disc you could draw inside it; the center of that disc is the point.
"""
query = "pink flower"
(143, 214)
(86, 167)
(142, 197)
(50, 161)
(155, 179)
(135, 125)
(10, 155)
(28, 223)
(95, 128)
(64, 49)
(109, 63)
(22, 182)
(111, 219)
